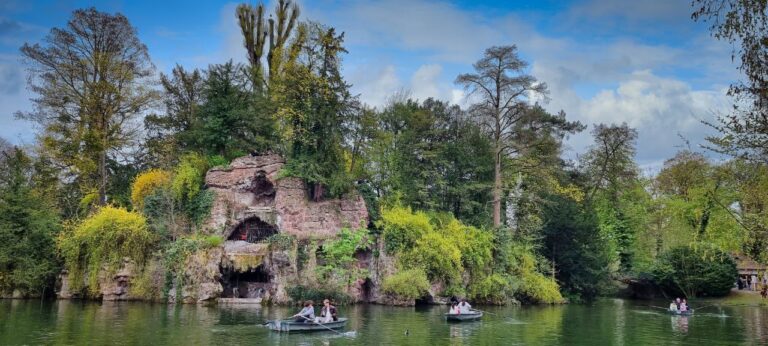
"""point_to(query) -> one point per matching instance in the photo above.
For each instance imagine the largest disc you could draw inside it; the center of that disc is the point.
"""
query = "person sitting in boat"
(683, 306)
(327, 312)
(307, 314)
(454, 309)
(673, 307)
(464, 307)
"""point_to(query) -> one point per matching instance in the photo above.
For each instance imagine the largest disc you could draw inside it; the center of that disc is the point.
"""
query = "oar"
(322, 325)
(706, 306)
(483, 311)
(658, 307)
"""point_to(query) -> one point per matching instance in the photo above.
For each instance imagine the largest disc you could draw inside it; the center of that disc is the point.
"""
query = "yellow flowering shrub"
(146, 183)
(104, 239)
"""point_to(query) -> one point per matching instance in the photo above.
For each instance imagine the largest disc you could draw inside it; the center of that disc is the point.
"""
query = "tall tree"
(610, 162)
(698, 197)
(28, 226)
(505, 110)
(571, 241)
(183, 95)
(613, 188)
(92, 80)
(433, 158)
(256, 31)
(751, 213)
(232, 121)
(313, 100)
(744, 24)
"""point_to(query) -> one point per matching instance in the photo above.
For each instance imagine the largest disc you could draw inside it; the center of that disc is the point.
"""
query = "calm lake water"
(606, 322)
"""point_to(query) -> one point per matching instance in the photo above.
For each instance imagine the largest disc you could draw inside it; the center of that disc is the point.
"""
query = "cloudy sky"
(645, 63)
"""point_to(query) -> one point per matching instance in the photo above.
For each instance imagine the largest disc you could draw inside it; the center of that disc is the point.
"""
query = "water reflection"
(680, 324)
(610, 322)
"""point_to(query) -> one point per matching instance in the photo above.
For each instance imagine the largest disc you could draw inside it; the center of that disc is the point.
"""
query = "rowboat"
(293, 326)
(472, 316)
(679, 313)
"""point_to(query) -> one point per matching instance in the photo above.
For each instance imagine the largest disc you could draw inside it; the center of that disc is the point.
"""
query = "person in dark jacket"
(328, 312)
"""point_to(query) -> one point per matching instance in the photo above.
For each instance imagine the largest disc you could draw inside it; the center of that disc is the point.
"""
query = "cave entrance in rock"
(425, 300)
(367, 288)
(262, 188)
(248, 284)
(253, 230)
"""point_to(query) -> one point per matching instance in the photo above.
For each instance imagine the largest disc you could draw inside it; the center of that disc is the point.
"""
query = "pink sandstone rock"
(250, 187)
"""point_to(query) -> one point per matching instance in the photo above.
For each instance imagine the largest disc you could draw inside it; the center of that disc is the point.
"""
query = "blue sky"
(641, 62)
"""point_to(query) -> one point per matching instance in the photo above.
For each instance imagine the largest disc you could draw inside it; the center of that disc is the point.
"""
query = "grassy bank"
(738, 298)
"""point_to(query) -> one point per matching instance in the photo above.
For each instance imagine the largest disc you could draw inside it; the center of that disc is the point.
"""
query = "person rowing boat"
(307, 313)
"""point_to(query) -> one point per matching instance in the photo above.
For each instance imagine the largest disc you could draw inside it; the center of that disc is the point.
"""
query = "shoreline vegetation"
(136, 191)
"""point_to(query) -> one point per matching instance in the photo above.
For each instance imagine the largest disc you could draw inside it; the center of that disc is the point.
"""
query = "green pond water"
(606, 322)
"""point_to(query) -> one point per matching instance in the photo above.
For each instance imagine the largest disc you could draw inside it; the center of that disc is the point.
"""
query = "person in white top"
(464, 307)
(673, 306)
(454, 309)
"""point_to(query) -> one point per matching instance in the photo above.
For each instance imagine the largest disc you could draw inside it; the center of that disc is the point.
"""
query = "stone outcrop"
(114, 285)
(200, 279)
(250, 187)
(251, 203)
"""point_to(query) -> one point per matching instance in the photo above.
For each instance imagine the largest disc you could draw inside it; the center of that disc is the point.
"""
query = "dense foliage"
(338, 256)
(696, 271)
(407, 284)
(28, 227)
(146, 184)
(468, 261)
(104, 239)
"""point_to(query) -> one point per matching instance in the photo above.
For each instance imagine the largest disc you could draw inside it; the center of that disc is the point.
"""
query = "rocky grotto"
(252, 204)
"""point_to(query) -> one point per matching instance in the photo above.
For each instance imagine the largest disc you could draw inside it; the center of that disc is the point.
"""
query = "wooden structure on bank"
(747, 266)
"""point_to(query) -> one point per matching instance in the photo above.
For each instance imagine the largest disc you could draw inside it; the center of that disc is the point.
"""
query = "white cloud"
(661, 109)
(661, 89)
(425, 83)
(374, 85)
(436, 28)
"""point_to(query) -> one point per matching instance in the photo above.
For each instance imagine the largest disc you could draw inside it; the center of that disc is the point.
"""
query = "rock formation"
(252, 206)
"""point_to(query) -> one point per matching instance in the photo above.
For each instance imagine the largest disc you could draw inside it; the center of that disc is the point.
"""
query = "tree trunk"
(497, 192)
(103, 178)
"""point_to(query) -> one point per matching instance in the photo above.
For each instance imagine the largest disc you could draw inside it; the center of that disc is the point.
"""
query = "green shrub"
(494, 289)
(438, 255)
(212, 241)
(199, 208)
(301, 293)
(371, 201)
(475, 245)
(698, 270)
(338, 255)
(104, 238)
(401, 227)
(188, 177)
(527, 281)
(407, 284)
(280, 242)
(217, 161)
(537, 288)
